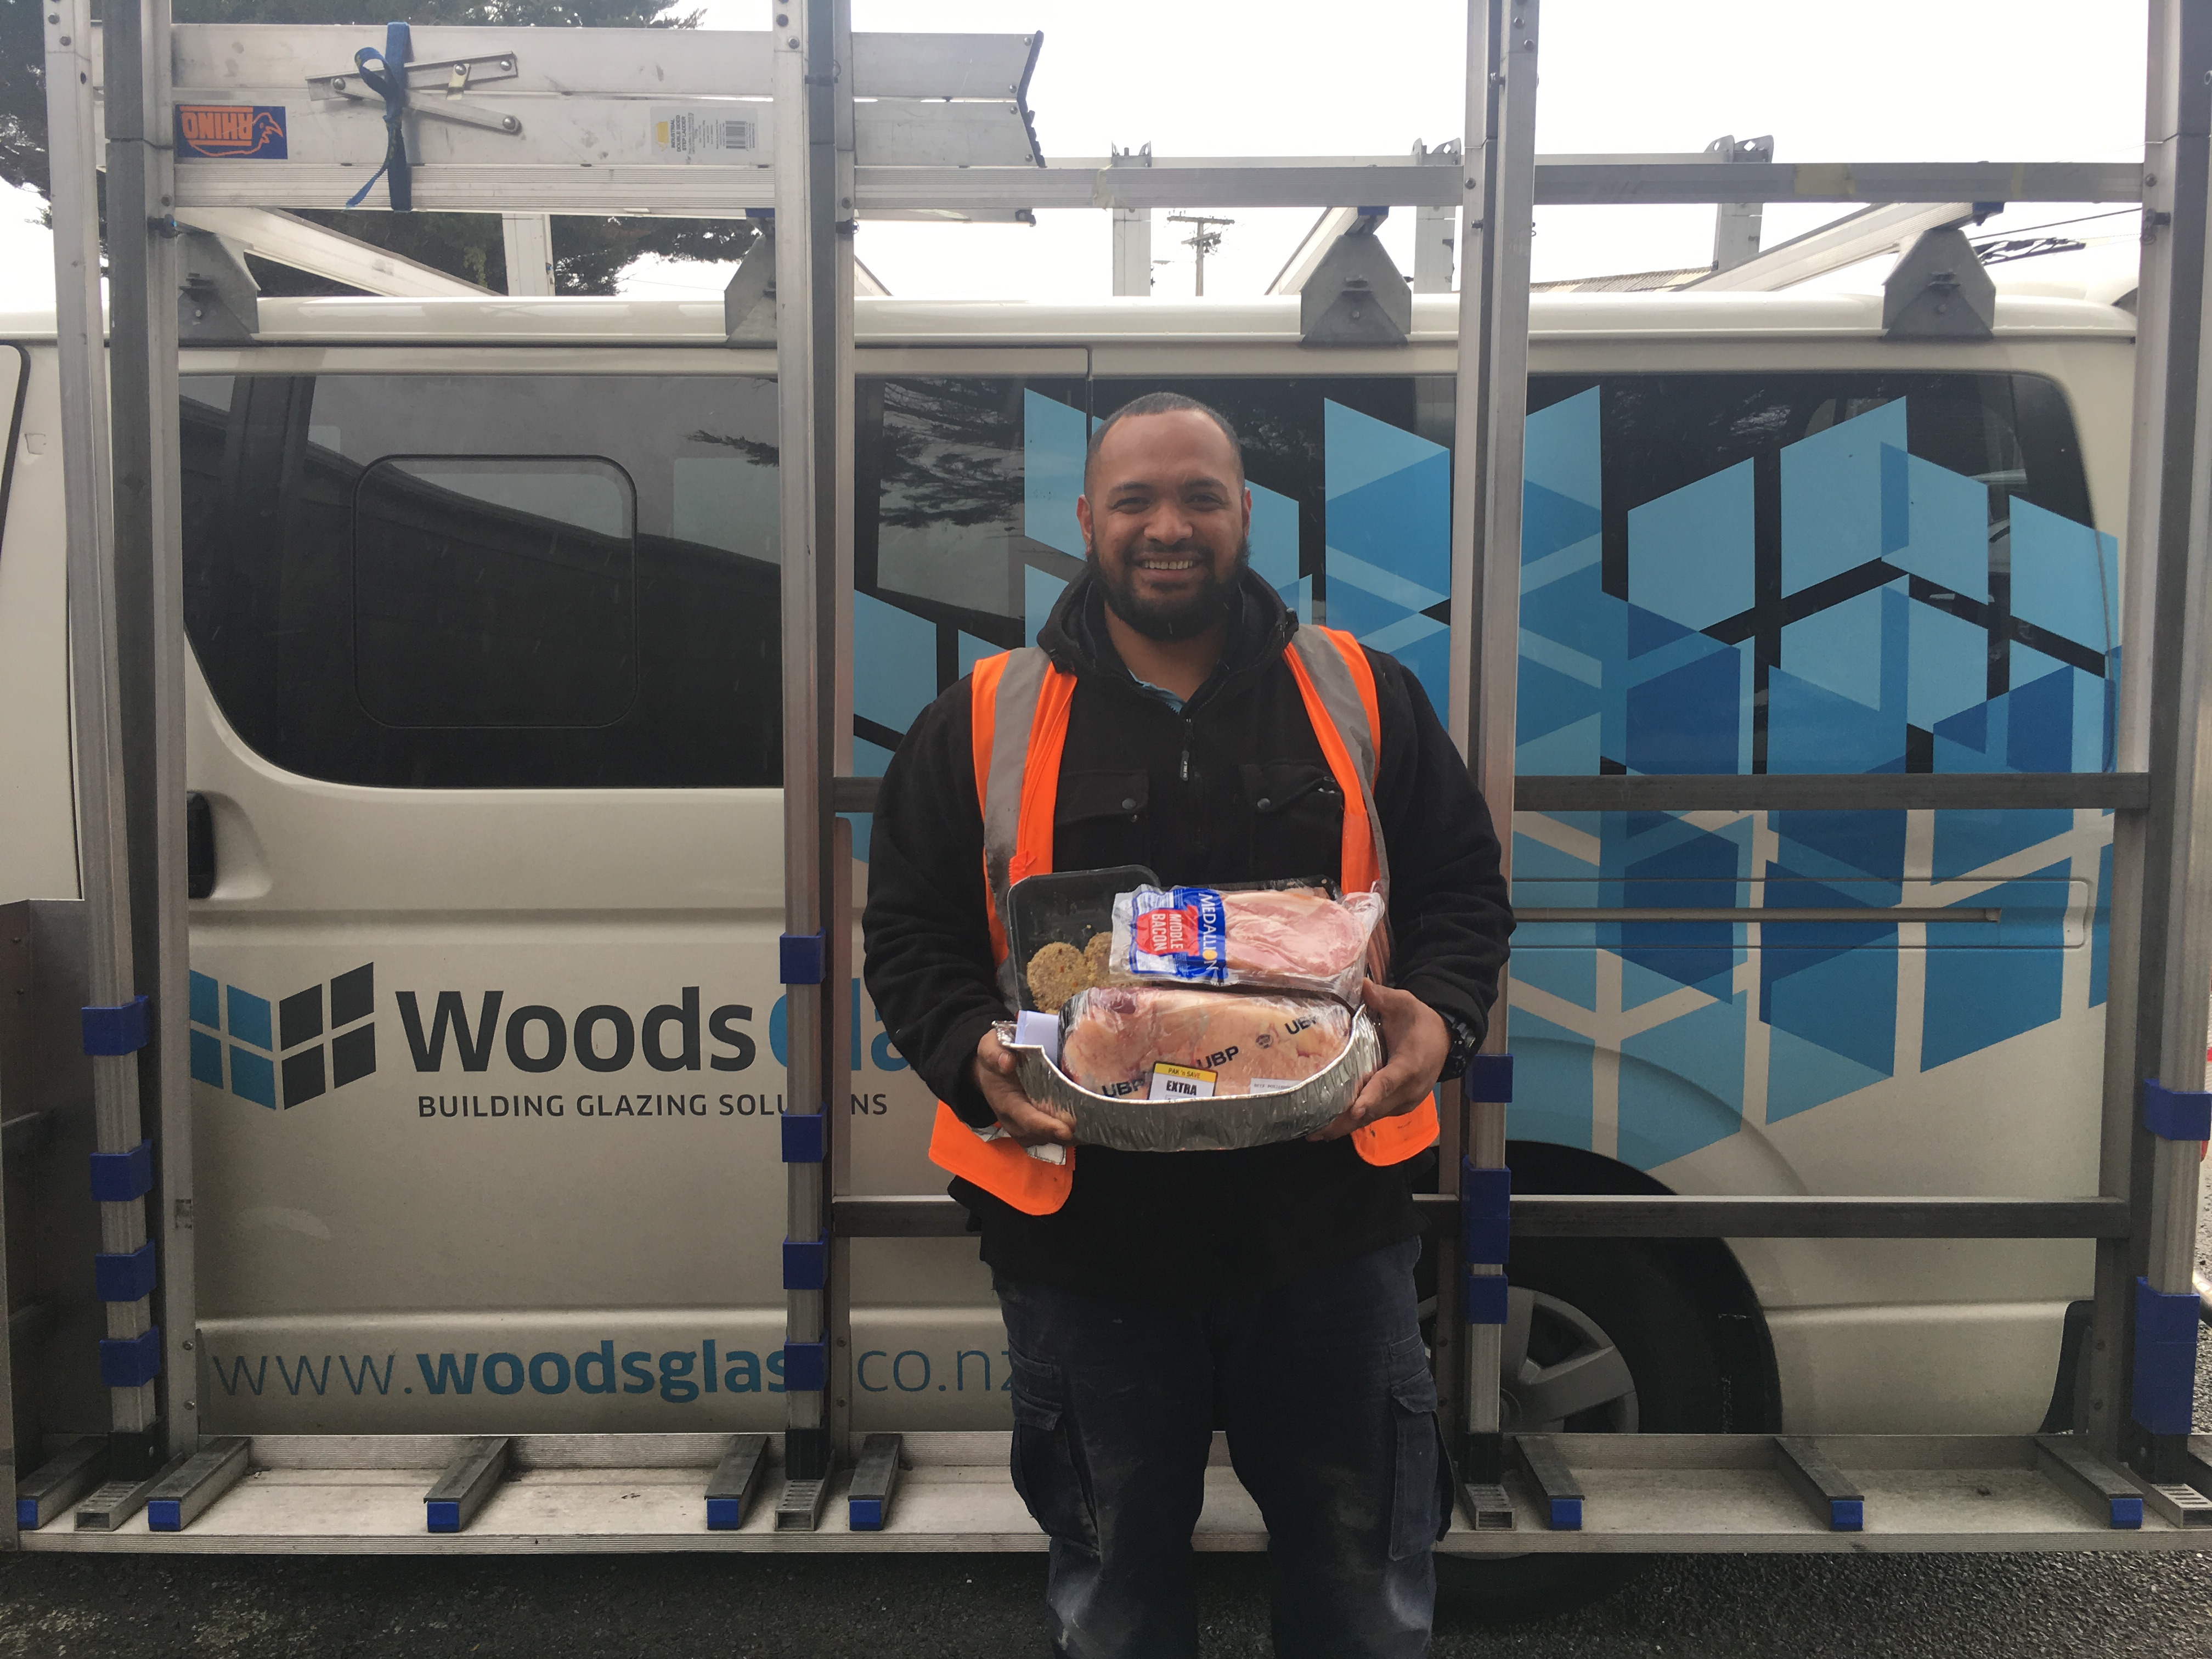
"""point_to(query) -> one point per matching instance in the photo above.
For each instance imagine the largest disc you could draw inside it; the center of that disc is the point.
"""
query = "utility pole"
(1203, 239)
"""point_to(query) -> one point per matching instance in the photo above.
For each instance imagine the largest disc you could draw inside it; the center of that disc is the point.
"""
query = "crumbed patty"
(1097, 956)
(1056, 973)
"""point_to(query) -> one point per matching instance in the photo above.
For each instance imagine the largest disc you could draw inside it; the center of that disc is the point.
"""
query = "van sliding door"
(485, 703)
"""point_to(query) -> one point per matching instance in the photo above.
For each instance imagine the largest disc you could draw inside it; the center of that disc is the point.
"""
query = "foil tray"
(1221, 1123)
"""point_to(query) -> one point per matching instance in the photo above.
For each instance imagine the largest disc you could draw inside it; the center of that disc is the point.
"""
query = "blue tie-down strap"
(121, 1030)
(799, 958)
(2165, 1358)
(1486, 1205)
(805, 1263)
(118, 1177)
(125, 1362)
(1490, 1080)
(385, 74)
(805, 1137)
(2176, 1114)
(125, 1276)
(1486, 1299)
(805, 1367)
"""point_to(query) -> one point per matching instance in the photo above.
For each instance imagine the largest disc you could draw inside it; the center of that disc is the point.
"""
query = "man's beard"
(1183, 619)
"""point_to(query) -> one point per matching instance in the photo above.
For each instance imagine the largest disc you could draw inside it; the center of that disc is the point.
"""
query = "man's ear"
(1083, 515)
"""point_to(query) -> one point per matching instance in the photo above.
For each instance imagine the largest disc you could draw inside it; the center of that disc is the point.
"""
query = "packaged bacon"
(1166, 1043)
(1302, 937)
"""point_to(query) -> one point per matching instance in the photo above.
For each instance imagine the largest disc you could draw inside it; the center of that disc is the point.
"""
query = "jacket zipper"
(1186, 751)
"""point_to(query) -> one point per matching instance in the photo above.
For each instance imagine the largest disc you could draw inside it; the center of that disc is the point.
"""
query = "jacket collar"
(1075, 637)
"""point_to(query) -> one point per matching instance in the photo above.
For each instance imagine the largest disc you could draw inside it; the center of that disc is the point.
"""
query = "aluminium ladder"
(494, 121)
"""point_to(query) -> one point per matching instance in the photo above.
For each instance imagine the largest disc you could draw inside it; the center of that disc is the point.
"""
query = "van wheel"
(1601, 1336)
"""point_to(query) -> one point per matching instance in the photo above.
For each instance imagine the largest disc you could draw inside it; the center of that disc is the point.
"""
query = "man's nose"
(1168, 525)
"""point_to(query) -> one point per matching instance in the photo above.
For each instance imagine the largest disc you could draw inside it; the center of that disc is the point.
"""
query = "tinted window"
(965, 526)
(459, 581)
(494, 592)
(1819, 572)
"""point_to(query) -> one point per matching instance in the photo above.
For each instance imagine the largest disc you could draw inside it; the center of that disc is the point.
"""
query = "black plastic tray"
(1066, 906)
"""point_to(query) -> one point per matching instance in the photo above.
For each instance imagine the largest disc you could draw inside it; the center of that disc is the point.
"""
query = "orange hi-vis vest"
(1020, 710)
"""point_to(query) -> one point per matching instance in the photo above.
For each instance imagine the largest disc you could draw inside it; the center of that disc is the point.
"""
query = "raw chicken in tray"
(1147, 1040)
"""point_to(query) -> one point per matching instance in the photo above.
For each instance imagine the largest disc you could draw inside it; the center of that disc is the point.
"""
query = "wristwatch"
(1465, 1040)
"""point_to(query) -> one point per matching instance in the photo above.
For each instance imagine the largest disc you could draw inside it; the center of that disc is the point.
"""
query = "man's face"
(1164, 514)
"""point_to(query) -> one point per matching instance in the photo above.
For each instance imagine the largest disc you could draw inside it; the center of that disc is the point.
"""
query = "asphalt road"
(982, 1607)
(2022, 1607)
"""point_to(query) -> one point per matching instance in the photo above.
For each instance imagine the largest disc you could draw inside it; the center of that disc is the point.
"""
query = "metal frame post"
(142, 285)
(104, 864)
(834, 292)
(1491, 411)
(814, 368)
(526, 239)
(1132, 236)
(2161, 953)
(806, 1093)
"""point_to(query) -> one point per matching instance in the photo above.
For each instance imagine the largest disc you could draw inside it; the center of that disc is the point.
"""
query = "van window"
(489, 581)
(494, 592)
(1816, 572)
(964, 521)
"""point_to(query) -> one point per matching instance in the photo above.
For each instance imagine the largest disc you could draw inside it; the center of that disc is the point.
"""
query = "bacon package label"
(1175, 1043)
(1181, 933)
(1292, 938)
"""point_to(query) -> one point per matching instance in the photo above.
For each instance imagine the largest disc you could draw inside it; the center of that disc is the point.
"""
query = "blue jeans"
(1323, 1388)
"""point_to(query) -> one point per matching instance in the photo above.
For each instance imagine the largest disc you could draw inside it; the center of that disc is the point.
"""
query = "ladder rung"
(730, 1493)
(1488, 1507)
(179, 1498)
(1555, 1483)
(114, 1502)
(58, 1482)
(2179, 1506)
(875, 1476)
(2096, 1484)
(1835, 1502)
(799, 1508)
(468, 1482)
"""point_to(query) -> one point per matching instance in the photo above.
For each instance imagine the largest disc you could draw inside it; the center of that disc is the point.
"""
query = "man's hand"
(1416, 1040)
(1023, 1119)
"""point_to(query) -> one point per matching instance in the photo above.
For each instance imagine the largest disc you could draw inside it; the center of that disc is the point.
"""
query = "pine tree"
(588, 252)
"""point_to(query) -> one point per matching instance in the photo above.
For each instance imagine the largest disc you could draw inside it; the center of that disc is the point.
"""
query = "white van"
(482, 707)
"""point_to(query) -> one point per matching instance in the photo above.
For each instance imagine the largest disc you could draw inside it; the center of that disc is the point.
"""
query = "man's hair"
(1159, 402)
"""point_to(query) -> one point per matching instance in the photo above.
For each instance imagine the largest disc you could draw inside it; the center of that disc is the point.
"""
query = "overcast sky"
(1832, 79)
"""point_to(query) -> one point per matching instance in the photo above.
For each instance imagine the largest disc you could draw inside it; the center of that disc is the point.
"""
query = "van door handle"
(199, 846)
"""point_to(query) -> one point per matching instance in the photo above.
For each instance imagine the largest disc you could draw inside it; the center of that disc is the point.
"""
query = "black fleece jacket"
(1233, 788)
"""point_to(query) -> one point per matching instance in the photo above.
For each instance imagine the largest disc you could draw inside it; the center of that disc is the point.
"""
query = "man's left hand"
(1415, 1039)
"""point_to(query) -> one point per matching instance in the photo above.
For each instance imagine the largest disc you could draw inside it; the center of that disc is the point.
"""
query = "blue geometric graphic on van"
(268, 1047)
(1895, 617)
(1388, 568)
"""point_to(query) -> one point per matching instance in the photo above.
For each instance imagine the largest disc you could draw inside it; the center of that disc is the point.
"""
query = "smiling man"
(1153, 1297)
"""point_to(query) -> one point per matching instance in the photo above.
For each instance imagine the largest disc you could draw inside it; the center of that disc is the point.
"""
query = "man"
(1149, 1298)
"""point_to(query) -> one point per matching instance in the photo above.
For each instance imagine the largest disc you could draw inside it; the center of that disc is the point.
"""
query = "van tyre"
(1607, 1336)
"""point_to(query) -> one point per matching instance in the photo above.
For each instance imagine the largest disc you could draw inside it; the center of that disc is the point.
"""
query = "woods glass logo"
(259, 1044)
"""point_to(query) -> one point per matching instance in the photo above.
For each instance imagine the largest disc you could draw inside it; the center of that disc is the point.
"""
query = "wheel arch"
(1706, 1267)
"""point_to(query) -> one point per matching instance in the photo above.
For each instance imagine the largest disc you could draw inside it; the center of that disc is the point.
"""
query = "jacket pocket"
(1420, 1499)
(1099, 818)
(1046, 1469)
(1297, 816)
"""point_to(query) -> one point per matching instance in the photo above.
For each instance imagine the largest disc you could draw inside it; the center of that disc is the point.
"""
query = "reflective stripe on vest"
(1018, 712)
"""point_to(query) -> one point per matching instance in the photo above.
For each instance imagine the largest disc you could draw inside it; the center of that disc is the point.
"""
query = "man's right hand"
(1023, 1119)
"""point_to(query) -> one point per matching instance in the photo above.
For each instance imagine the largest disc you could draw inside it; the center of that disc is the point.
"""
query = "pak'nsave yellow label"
(1180, 1082)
